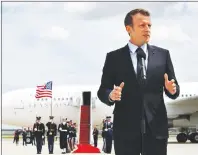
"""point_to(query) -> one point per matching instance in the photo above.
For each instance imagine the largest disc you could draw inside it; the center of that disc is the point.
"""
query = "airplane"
(20, 107)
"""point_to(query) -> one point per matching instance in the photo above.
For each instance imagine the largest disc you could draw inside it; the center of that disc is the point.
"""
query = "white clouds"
(47, 42)
(79, 7)
(192, 6)
(173, 32)
(55, 32)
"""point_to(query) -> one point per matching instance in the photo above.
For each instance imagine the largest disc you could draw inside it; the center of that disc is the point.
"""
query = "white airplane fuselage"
(20, 107)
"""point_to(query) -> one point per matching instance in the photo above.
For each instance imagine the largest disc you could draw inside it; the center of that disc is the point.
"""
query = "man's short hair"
(129, 20)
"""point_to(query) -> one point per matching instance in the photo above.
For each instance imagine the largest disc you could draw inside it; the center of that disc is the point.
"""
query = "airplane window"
(66, 98)
(37, 99)
(186, 95)
(56, 104)
(54, 99)
(46, 99)
(182, 95)
(190, 95)
(62, 98)
(42, 99)
(59, 99)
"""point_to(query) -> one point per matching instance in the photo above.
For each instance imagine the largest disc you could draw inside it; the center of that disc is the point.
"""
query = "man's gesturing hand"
(116, 93)
(170, 85)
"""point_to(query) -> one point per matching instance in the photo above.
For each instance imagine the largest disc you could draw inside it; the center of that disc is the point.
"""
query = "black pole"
(143, 121)
(51, 106)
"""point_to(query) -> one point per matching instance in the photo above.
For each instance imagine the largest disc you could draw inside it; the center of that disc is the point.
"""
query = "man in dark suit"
(120, 85)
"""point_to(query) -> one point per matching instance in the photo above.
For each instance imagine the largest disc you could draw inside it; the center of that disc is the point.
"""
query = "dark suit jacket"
(118, 68)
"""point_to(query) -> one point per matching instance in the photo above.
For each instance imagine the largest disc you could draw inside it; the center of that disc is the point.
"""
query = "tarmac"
(174, 148)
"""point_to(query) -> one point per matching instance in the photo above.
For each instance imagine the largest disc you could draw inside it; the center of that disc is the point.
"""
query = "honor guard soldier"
(74, 135)
(33, 137)
(16, 137)
(51, 133)
(70, 135)
(39, 131)
(63, 129)
(103, 135)
(24, 135)
(108, 130)
(95, 136)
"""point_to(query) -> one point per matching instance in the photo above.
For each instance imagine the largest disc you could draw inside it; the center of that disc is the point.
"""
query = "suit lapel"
(151, 54)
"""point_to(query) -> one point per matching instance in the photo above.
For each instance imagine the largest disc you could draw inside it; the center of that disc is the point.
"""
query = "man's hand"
(116, 93)
(170, 85)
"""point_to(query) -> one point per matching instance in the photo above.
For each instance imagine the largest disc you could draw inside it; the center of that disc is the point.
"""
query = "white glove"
(60, 129)
(106, 129)
(35, 129)
(42, 136)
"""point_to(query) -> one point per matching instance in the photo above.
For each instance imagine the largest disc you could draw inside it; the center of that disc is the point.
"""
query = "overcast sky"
(67, 42)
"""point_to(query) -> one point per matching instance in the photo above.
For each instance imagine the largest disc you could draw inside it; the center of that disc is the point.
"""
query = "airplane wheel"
(182, 138)
(194, 138)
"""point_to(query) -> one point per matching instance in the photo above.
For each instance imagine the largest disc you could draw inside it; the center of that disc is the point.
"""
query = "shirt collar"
(133, 47)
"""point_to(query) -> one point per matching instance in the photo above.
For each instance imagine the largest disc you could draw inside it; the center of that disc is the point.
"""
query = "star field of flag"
(44, 90)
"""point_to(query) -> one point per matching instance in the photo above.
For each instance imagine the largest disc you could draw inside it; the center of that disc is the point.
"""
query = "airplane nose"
(6, 107)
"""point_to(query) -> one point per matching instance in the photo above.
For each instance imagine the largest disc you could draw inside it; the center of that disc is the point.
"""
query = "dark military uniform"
(72, 136)
(16, 137)
(63, 129)
(39, 131)
(108, 133)
(24, 134)
(33, 138)
(95, 137)
(51, 133)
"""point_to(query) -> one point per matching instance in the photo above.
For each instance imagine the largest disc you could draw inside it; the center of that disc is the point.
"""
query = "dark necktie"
(139, 64)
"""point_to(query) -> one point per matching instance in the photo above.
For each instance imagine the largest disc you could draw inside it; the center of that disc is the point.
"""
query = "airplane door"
(18, 109)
